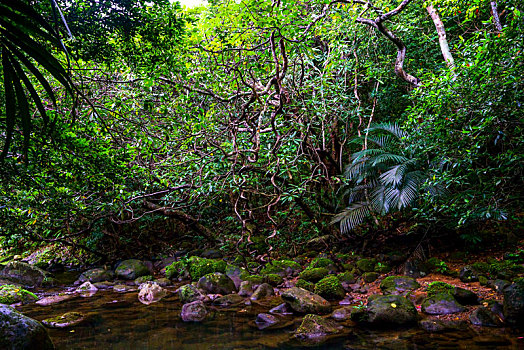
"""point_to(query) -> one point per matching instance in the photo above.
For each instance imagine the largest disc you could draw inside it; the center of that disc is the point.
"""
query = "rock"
(26, 275)
(389, 310)
(464, 296)
(305, 285)
(315, 326)
(54, 299)
(266, 320)
(398, 284)
(323, 262)
(96, 275)
(234, 272)
(264, 290)
(303, 301)
(245, 289)
(19, 332)
(314, 274)
(216, 283)
(347, 277)
(284, 268)
(143, 279)
(189, 293)
(86, 287)
(514, 303)
(413, 268)
(193, 312)
(274, 279)
(150, 292)
(330, 288)
(122, 288)
(132, 269)
(441, 304)
(342, 314)
(282, 309)
(369, 277)
(10, 294)
(211, 254)
(366, 265)
(433, 325)
(485, 318)
(228, 300)
(500, 285)
(468, 274)
(68, 319)
(104, 285)
(163, 282)
(199, 267)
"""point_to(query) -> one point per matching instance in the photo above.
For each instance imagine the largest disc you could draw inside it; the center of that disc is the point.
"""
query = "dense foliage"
(254, 123)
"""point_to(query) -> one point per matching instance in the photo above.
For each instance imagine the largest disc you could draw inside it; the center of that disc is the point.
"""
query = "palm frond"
(391, 128)
(351, 217)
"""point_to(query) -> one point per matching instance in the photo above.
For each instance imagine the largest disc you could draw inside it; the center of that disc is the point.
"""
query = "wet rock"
(26, 275)
(282, 309)
(228, 300)
(464, 296)
(96, 275)
(189, 293)
(266, 320)
(485, 317)
(68, 319)
(216, 283)
(19, 332)
(433, 325)
(132, 269)
(315, 326)
(369, 277)
(342, 314)
(330, 288)
(193, 312)
(303, 301)
(441, 304)
(262, 291)
(163, 282)
(86, 287)
(104, 285)
(314, 274)
(150, 292)
(122, 288)
(245, 289)
(10, 294)
(54, 299)
(514, 303)
(212, 254)
(468, 274)
(389, 310)
(398, 284)
(143, 279)
(366, 265)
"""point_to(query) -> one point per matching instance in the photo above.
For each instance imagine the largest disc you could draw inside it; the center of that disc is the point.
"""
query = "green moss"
(280, 267)
(369, 277)
(347, 277)
(483, 280)
(143, 279)
(366, 265)
(305, 284)
(438, 287)
(314, 274)
(330, 288)
(273, 279)
(252, 265)
(199, 267)
(10, 294)
(381, 267)
(321, 262)
(176, 269)
(257, 279)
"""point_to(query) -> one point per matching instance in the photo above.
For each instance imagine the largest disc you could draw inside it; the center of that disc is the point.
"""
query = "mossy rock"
(386, 310)
(284, 268)
(256, 279)
(10, 294)
(322, 262)
(330, 288)
(189, 293)
(131, 269)
(366, 265)
(314, 274)
(21, 332)
(441, 304)
(274, 279)
(199, 267)
(177, 269)
(96, 275)
(483, 280)
(66, 320)
(216, 283)
(305, 285)
(315, 326)
(303, 301)
(369, 277)
(437, 287)
(143, 279)
(382, 267)
(262, 291)
(398, 284)
(27, 275)
(347, 277)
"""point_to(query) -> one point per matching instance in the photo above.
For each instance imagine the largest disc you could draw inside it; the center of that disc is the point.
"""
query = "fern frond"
(351, 217)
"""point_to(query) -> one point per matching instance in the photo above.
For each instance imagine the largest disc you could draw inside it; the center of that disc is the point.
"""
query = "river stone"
(432, 325)
(68, 319)
(54, 299)
(10, 294)
(163, 282)
(216, 283)
(86, 287)
(26, 275)
(143, 279)
(441, 304)
(514, 303)
(245, 289)
(189, 293)
(150, 292)
(104, 285)
(464, 296)
(132, 269)
(315, 326)
(282, 309)
(303, 301)
(193, 312)
(342, 314)
(234, 272)
(96, 275)
(19, 332)
(398, 284)
(390, 310)
(485, 318)
(264, 321)
(264, 290)
(228, 300)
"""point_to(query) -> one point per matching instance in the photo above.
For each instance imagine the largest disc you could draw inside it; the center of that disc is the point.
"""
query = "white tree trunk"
(496, 18)
(444, 47)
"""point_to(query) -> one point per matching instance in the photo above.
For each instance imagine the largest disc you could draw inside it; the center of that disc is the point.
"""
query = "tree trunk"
(496, 18)
(444, 47)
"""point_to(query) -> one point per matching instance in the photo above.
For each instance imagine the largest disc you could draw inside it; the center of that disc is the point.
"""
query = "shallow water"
(120, 321)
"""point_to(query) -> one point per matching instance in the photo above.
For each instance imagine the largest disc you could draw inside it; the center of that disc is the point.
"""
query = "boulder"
(464, 296)
(468, 274)
(216, 283)
(163, 282)
(26, 275)
(10, 294)
(86, 287)
(143, 279)
(54, 299)
(398, 284)
(370, 277)
(19, 332)
(514, 303)
(390, 310)
(245, 289)
(234, 272)
(228, 300)
(366, 265)
(264, 321)
(303, 301)
(315, 326)
(282, 309)
(284, 268)
(150, 292)
(68, 319)
(212, 254)
(262, 291)
(342, 314)
(330, 288)
(485, 318)
(132, 269)
(189, 293)
(441, 304)
(314, 274)
(193, 312)
(96, 275)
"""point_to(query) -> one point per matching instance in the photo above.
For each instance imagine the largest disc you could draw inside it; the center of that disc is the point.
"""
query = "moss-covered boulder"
(323, 262)
(347, 277)
(19, 332)
(274, 279)
(193, 312)
(255, 279)
(66, 320)
(177, 270)
(398, 284)
(303, 301)
(369, 277)
(189, 293)
(96, 275)
(132, 269)
(246, 289)
(262, 291)
(441, 304)
(216, 283)
(366, 265)
(199, 267)
(228, 300)
(315, 326)
(330, 288)
(305, 285)
(143, 279)
(382, 267)
(437, 287)
(314, 274)
(10, 294)
(27, 275)
(284, 268)
(386, 310)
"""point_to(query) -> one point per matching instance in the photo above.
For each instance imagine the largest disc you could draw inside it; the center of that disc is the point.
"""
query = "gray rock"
(390, 310)
(485, 318)
(282, 309)
(67, 320)
(303, 301)
(342, 314)
(315, 326)
(441, 304)
(216, 283)
(398, 284)
(19, 332)
(132, 269)
(266, 320)
(432, 325)
(189, 293)
(264, 290)
(193, 312)
(228, 300)
(464, 296)
(97, 275)
(245, 289)
(514, 303)
(26, 275)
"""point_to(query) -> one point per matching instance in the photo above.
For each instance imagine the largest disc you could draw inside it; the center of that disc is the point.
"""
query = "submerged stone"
(303, 301)
(193, 312)
(68, 319)
(54, 299)
(315, 326)
(264, 321)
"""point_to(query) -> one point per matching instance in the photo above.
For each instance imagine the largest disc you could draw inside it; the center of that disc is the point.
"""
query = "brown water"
(120, 321)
